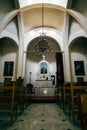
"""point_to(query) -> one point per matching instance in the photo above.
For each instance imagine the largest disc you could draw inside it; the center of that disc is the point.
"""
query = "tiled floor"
(42, 116)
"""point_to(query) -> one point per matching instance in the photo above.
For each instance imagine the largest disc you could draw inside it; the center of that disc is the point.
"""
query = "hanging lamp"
(42, 46)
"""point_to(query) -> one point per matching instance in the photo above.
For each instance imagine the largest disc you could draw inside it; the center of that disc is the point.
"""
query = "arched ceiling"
(53, 18)
(54, 13)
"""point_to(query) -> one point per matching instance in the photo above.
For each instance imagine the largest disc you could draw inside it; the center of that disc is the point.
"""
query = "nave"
(42, 116)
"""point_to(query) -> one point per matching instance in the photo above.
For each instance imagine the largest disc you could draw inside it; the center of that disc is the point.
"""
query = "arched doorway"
(33, 59)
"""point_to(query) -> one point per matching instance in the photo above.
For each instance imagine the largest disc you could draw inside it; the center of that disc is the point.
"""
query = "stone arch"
(56, 35)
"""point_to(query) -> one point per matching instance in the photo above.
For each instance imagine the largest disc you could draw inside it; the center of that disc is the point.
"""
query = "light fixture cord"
(42, 16)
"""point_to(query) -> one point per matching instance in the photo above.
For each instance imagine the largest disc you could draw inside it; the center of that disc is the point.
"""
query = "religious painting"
(79, 68)
(43, 68)
(8, 68)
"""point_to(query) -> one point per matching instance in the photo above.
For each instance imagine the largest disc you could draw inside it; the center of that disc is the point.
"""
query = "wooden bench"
(67, 98)
(59, 95)
(20, 100)
(7, 101)
(75, 92)
(19, 94)
(83, 111)
(30, 91)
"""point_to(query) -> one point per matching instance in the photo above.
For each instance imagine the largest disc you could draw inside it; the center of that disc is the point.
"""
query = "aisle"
(43, 116)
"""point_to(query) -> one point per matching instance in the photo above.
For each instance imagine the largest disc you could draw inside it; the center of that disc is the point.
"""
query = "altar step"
(44, 99)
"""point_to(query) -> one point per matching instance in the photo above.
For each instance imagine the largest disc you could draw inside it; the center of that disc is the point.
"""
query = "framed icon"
(43, 68)
(79, 68)
(8, 68)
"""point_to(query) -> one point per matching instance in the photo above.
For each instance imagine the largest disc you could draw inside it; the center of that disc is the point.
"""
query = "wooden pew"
(19, 94)
(67, 98)
(56, 93)
(59, 95)
(83, 111)
(7, 101)
(22, 95)
(30, 91)
(76, 91)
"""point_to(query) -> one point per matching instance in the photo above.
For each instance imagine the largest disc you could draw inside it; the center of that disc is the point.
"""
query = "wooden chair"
(7, 81)
(30, 91)
(76, 91)
(7, 101)
(56, 93)
(59, 95)
(67, 97)
(83, 111)
(19, 94)
(80, 80)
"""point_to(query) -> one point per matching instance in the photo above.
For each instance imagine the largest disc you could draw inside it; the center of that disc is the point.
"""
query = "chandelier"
(42, 46)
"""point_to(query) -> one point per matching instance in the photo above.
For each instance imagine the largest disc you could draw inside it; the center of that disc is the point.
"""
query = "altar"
(44, 83)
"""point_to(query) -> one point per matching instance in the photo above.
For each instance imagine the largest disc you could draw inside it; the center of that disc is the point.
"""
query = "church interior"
(43, 64)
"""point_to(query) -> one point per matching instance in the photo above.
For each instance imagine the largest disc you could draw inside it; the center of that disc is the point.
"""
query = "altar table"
(44, 83)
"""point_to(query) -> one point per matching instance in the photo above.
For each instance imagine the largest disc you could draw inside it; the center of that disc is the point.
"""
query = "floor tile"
(43, 116)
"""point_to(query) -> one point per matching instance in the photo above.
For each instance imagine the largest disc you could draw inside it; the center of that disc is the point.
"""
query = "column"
(66, 49)
(21, 45)
(24, 63)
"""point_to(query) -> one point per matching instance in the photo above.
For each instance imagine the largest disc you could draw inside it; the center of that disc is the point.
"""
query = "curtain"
(60, 70)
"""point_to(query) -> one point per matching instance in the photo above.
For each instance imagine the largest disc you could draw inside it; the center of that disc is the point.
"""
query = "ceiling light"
(42, 46)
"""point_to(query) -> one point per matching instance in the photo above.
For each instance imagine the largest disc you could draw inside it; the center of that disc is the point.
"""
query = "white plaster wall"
(77, 57)
(5, 7)
(76, 30)
(55, 34)
(12, 28)
(81, 6)
(8, 54)
(75, 27)
(78, 53)
(10, 35)
(77, 34)
(32, 64)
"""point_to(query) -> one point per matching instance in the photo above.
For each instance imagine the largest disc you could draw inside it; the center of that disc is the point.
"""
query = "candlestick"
(30, 76)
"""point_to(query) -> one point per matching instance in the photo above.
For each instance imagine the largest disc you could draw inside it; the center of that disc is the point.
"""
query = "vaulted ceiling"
(54, 13)
(49, 14)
